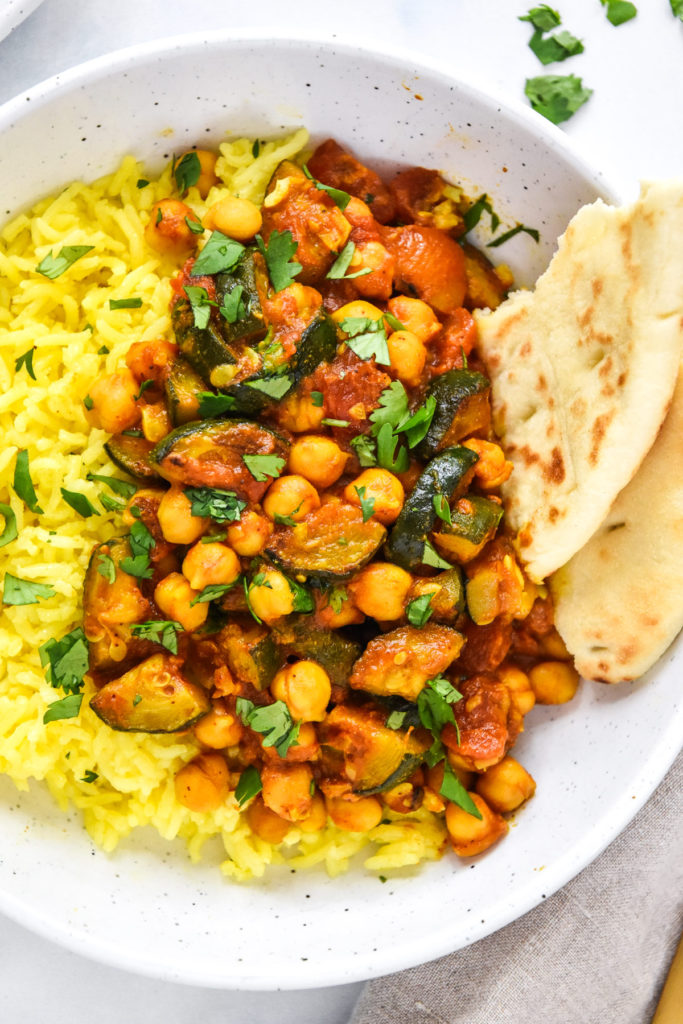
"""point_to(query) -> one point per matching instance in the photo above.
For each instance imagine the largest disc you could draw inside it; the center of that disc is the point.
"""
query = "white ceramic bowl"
(596, 760)
(13, 12)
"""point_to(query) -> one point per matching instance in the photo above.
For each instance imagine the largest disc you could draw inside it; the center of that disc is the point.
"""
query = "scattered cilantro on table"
(557, 97)
(677, 8)
(619, 11)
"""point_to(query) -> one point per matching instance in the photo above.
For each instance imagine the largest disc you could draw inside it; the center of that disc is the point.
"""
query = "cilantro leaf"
(419, 610)
(317, 398)
(26, 360)
(334, 423)
(90, 776)
(556, 97)
(542, 17)
(341, 198)
(364, 447)
(223, 506)
(677, 8)
(262, 467)
(389, 456)
(141, 543)
(141, 183)
(123, 487)
(201, 304)
(511, 234)
(10, 531)
(273, 721)
(393, 406)
(65, 661)
(274, 387)
(132, 303)
(337, 271)
(79, 503)
(416, 427)
(211, 405)
(219, 254)
(442, 508)
(367, 338)
(138, 566)
(110, 504)
(555, 48)
(187, 170)
(52, 266)
(430, 556)
(106, 567)
(454, 791)
(18, 591)
(303, 599)
(164, 632)
(67, 707)
(249, 785)
(336, 598)
(619, 11)
(278, 255)
(212, 592)
(473, 215)
(234, 308)
(367, 505)
(395, 719)
(23, 484)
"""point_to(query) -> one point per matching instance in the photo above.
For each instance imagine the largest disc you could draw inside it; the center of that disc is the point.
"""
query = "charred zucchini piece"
(401, 661)
(296, 635)
(252, 653)
(330, 543)
(209, 454)
(446, 472)
(449, 601)
(132, 454)
(110, 608)
(152, 697)
(318, 344)
(248, 276)
(375, 758)
(183, 386)
(203, 347)
(474, 521)
(462, 407)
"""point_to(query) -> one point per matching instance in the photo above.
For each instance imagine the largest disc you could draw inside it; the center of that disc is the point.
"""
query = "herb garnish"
(511, 234)
(317, 399)
(453, 789)
(337, 271)
(26, 360)
(219, 254)
(66, 662)
(557, 97)
(211, 405)
(367, 338)
(364, 448)
(223, 506)
(430, 556)
(123, 487)
(164, 632)
(79, 503)
(278, 254)
(273, 721)
(262, 467)
(187, 171)
(677, 8)
(110, 504)
(201, 304)
(23, 484)
(419, 610)
(367, 505)
(442, 508)
(619, 11)
(10, 531)
(249, 785)
(303, 599)
(542, 17)
(52, 266)
(274, 387)
(90, 776)
(17, 591)
(212, 592)
(341, 198)
(132, 303)
(106, 567)
(141, 543)
(473, 215)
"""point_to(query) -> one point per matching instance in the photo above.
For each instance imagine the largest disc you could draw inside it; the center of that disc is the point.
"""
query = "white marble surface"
(631, 127)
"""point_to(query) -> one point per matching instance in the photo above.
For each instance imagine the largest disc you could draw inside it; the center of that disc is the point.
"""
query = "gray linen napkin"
(597, 952)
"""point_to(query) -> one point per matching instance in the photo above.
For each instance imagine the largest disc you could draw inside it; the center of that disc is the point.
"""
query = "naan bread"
(583, 370)
(619, 601)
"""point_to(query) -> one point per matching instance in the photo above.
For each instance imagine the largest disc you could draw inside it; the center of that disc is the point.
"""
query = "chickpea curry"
(316, 579)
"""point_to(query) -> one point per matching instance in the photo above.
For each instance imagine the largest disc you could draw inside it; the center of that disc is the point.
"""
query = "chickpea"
(519, 685)
(156, 423)
(336, 609)
(319, 460)
(359, 307)
(212, 563)
(506, 785)
(306, 748)
(316, 819)
(167, 231)
(250, 535)
(235, 217)
(220, 728)
(492, 469)
(265, 823)
(298, 413)
(272, 596)
(385, 490)
(207, 170)
(380, 590)
(178, 525)
(174, 595)
(554, 682)
(291, 496)
(203, 784)
(147, 360)
(469, 835)
(553, 646)
(113, 402)
(354, 815)
(287, 790)
(408, 356)
(416, 316)
(404, 798)
(305, 688)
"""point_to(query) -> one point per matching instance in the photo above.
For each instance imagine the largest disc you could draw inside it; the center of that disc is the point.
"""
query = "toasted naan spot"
(595, 350)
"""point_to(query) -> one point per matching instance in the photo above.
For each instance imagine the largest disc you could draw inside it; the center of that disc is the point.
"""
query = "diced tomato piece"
(333, 166)
(430, 263)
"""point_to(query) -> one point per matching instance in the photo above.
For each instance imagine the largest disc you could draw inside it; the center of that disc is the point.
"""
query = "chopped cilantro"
(677, 8)
(132, 303)
(88, 402)
(365, 450)
(392, 408)
(556, 97)
(201, 304)
(234, 308)
(10, 531)
(19, 591)
(102, 350)
(214, 405)
(542, 17)
(511, 234)
(218, 255)
(419, 610)
(278, 254)
(391, 454)
(23, 484)
(223, 506)
(336, 598)
(367, 338)
(473, 215)
(106, 568)
(272, 721)
(212, 592)
(334, 423)
(337, 271)
(274, 387)
(164, 632)
(454, 791)
(430, 556)
(341, 198)
(79, 503)
(142, 183)
(110, 504)
(550, 49)
(619, 11)
(123, 487)
(262, 467)
(186, 171)
(256, 148)
(396, 719)
(416, 427)
(67, 707)
(145, 386)
(52, 266)
(26, 360)
(249, 785)
(367, 505)
(65, 661)
(303, 599)
(90, 776)
(141, 543)
(442, 508)
(317, 398)
(195, 226)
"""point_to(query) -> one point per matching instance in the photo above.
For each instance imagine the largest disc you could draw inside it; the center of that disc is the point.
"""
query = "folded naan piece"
(583, 370)
(619, 601)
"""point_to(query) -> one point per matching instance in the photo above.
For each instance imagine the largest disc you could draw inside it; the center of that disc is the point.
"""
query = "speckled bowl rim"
(13, 13)
(653, 768)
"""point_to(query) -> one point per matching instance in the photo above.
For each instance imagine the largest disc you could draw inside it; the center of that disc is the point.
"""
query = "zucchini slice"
(446, 473)
(203, 347)
(317, 344)
(132, 455)
(330, 543)
(375, 758)
(474, 521)
(249, 276)
(183, 386)
(448, 602)
(462, 407)
(209, 454)
(296, 635)
(400, 662)
(152, 697)
(251, 652)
